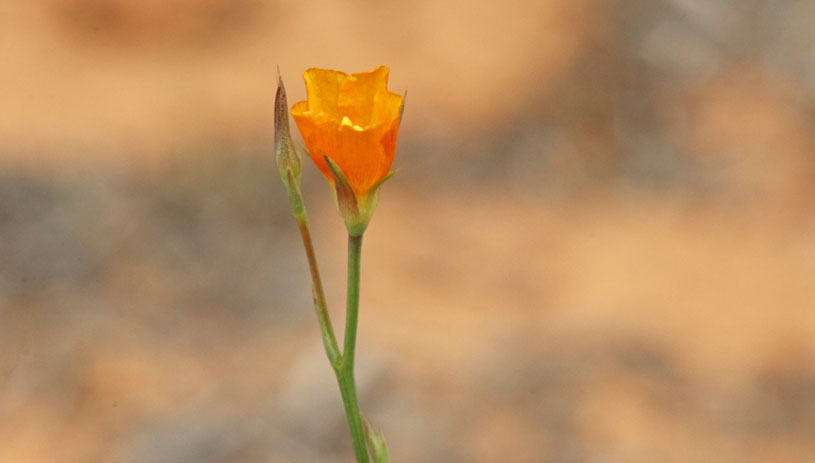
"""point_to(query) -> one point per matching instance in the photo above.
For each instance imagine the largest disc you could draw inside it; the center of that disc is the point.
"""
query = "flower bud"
(288, 161)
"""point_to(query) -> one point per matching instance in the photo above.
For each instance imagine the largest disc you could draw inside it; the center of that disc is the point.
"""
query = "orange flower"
(353, 120)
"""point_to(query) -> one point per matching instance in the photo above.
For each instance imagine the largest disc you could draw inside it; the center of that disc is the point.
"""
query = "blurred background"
(600, 247)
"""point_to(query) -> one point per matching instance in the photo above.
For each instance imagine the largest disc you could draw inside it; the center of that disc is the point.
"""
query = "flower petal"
(354, 120)
(322, 88)
(359, 92)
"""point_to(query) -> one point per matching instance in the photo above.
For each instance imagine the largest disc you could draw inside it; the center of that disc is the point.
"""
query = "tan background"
(600, 247)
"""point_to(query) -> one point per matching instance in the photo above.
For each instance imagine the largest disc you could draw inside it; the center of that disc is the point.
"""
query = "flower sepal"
(355, 209)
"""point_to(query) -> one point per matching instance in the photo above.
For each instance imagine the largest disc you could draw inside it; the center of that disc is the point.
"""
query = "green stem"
(345, 373)
(345, 378)
(352, 303)
(332, 350)
(342, 363)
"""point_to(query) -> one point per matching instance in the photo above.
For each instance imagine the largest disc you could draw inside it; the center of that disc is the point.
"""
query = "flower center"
(347, 122)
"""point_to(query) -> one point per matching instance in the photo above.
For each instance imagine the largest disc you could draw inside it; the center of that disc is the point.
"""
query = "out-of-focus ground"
(600, 247)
